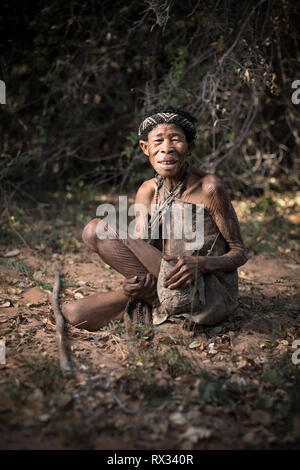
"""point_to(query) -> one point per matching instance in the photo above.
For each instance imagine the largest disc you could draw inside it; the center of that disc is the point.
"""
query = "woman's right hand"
(141, 287)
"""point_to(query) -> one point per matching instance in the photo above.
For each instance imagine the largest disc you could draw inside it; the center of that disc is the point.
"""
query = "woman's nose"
(167, 147)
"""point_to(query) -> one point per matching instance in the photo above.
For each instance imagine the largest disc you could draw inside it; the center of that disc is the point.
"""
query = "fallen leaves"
(246, 362)
(34, 296)
(211, 349)
(11, 253)
(185, 406)
(194, 434)
(261, 417)
(178, 418)
(78, 295)
(252, 439)
(195, 344)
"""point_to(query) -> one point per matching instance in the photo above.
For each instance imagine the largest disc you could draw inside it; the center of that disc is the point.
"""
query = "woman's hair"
(168, 115)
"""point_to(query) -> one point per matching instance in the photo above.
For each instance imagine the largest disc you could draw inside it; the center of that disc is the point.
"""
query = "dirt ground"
(232, 386)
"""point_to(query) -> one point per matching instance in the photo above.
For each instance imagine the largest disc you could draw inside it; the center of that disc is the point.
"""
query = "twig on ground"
(62, 350)
(130, 334)
(117, 342)
(121, 405)
(81, 323)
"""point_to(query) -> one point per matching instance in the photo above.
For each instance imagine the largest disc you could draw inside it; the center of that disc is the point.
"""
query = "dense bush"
(80, 74)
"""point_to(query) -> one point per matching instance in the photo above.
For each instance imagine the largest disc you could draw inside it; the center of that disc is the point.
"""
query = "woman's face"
(167, 149)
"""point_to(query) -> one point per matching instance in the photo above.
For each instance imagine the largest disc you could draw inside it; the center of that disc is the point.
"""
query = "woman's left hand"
(185, 271)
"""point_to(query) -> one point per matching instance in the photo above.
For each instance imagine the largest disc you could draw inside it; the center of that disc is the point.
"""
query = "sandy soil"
(236, 389)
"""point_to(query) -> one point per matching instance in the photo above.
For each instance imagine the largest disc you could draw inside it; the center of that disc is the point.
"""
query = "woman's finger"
(148, 281)
(131, 280)
(174, 270)
(176, 277)
(180, 283)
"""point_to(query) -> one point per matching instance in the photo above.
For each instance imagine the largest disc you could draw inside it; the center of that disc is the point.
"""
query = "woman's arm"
(218, 204)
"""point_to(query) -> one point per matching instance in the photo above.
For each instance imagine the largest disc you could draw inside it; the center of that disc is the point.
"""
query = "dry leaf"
(37, 275)
(261, 417)
(12, 253)
(6, 304)
(195, 344)
(78, 295)
(194, 434)
(34, 296)
(241, 364)
(216, 330)
(251, 438)
(293, 266)
(15, 290)
(178, 418)
(211, 349)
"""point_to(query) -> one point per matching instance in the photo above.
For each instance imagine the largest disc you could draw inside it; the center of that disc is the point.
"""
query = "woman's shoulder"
(201, 184)
(203, 179)
(146, 192)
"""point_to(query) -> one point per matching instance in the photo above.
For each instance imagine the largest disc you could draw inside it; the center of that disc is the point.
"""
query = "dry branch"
(121, 405)
(59, 320)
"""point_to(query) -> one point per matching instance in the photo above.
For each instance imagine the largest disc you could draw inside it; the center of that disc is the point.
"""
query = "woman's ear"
(144, 146)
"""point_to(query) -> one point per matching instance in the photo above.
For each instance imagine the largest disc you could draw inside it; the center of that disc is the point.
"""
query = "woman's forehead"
(165, 129)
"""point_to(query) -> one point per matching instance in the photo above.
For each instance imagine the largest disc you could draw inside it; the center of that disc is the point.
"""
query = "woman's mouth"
(167, 164)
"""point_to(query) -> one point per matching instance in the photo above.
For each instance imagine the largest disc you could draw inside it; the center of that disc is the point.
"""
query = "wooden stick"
(62, 350)
(130, 334)
(121, 405)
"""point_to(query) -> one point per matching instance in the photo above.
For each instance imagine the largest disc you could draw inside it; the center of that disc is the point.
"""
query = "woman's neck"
(172, 182)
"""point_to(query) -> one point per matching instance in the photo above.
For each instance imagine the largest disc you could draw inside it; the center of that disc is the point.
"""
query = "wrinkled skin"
(167, 142)
(141, 287)
(138, 261)
(185, 270)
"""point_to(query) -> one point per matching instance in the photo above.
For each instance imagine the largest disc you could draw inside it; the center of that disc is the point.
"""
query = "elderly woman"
(157, 272)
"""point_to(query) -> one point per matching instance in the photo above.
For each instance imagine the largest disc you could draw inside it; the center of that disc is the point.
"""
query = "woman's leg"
(127, 256)
(94, 311)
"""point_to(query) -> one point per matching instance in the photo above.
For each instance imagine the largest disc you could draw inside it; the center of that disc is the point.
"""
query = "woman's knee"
(89, 235)
(71, 313)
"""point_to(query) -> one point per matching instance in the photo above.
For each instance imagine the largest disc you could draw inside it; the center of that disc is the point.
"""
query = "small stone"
(44, 418)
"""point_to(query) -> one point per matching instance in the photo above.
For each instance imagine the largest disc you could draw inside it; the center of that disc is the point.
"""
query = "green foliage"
(19, 266)
(274, 377)
(172, 362)
(115, 326)
(218, 392)
(79, 75)
(45, 375)
(267, 223)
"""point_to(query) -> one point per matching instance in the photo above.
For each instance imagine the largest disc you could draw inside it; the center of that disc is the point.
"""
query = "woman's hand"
(141, 287)
(185, 271)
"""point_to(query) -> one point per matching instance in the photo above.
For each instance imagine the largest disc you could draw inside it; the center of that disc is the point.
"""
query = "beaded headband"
(165, 118)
